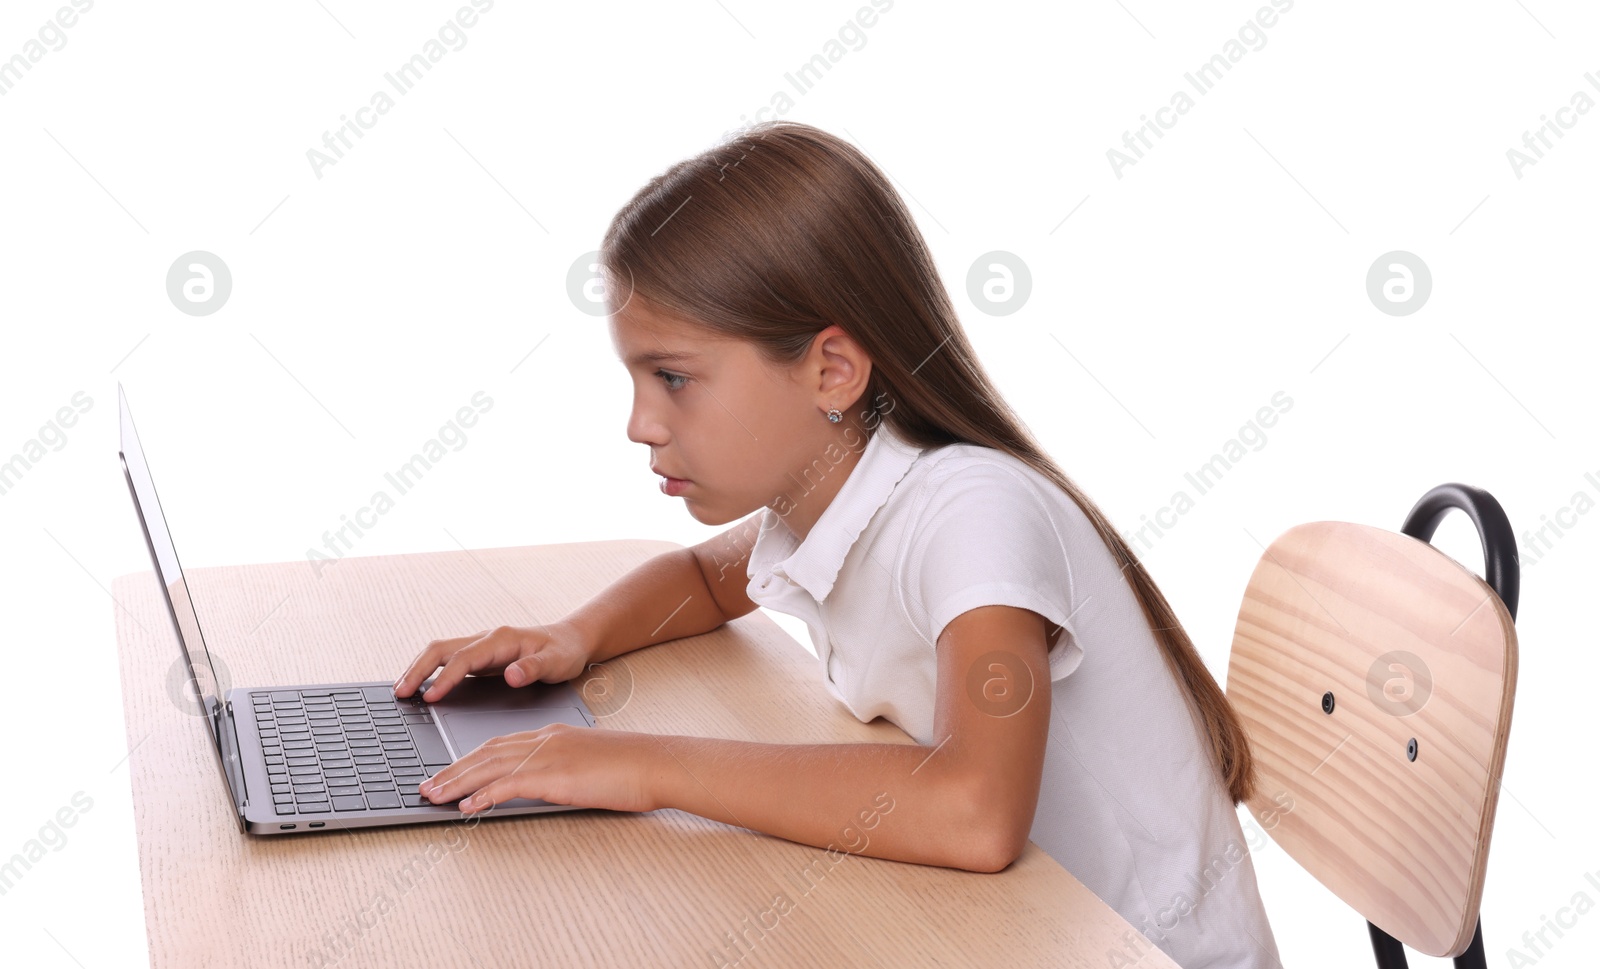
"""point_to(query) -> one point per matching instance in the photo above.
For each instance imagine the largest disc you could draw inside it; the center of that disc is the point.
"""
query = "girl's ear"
(842, 367)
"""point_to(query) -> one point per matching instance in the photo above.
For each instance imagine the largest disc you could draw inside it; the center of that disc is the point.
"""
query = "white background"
(370, 303)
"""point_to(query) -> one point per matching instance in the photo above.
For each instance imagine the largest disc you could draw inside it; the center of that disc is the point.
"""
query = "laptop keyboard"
(333, 751)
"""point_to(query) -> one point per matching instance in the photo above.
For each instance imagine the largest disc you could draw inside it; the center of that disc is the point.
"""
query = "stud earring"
(834, 416)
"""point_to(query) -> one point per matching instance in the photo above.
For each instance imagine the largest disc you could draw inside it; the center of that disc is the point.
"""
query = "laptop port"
(286, 827)
(316, 824)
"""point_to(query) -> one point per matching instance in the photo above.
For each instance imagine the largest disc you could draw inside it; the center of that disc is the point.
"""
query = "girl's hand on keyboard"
(524, 654)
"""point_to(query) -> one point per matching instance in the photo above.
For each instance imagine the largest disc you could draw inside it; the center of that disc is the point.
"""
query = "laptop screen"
(202, 674)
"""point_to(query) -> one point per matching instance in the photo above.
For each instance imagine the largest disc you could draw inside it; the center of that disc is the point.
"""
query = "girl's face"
(742, 433)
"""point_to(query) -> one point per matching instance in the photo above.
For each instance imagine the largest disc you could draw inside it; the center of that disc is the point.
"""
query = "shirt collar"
(814, 563)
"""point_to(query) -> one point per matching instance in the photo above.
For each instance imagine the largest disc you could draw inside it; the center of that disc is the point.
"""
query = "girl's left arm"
(965, 802)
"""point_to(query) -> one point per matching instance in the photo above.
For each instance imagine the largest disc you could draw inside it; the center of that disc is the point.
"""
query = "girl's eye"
(668, 379)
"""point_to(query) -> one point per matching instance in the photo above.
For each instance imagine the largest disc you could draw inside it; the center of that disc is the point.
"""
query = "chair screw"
(1327, 703)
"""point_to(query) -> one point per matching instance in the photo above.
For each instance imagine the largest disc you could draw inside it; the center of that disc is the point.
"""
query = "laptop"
(334, 756)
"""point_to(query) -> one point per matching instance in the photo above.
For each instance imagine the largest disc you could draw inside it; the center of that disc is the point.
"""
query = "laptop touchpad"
(467, 730)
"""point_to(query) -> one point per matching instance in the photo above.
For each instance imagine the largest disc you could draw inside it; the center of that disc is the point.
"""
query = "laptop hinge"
(232, 765)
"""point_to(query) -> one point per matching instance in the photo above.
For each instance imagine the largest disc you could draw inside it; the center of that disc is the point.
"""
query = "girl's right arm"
(684, 592)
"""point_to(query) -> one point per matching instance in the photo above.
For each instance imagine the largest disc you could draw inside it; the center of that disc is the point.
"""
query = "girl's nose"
(644, 430)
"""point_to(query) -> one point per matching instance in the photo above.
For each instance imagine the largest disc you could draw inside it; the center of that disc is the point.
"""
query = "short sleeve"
(985, 535)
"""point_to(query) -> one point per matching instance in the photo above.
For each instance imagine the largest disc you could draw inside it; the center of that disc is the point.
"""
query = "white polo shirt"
(1129, 801)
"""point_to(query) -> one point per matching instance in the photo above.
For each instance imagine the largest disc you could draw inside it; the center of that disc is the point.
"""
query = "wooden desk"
(575, 888)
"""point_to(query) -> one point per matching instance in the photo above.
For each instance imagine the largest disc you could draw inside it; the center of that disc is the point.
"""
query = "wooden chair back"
(1374, 675)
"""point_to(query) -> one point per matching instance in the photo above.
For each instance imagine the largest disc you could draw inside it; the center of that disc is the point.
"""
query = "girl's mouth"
(673, 487)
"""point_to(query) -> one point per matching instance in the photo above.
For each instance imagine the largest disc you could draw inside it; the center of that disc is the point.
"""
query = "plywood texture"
(582, 888)
(1411, 645)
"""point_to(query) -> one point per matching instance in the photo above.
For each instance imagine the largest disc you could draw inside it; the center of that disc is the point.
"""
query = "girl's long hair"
(784, 229)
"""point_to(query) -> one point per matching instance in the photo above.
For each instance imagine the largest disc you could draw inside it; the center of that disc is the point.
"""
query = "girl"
(794, 353)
